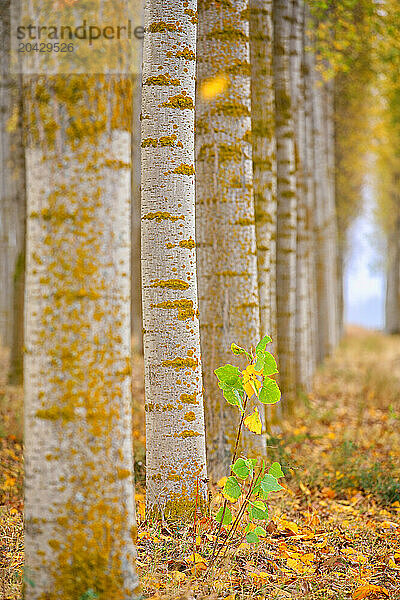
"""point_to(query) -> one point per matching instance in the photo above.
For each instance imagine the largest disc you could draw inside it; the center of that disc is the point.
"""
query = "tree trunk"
(303, 350)
(264, 169)
(12, 186)
(176, 458)
(226, 258)
(137, 317)
(392, 303)
(79, 503)
(286, 203)
(309, 182)
(325, 257)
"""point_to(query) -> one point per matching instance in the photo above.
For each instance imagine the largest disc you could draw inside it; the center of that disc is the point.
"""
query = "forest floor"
(334, 532)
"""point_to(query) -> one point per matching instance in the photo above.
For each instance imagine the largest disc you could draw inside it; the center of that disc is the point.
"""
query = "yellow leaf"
(365, 590)
(222, 482)
(304, 489)
(210, 88)
(253, 422)
(250, 382)
(231, 597)
(288, 525)
(195, 558)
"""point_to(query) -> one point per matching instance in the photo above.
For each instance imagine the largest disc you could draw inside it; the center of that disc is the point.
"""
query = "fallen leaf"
(365, 590)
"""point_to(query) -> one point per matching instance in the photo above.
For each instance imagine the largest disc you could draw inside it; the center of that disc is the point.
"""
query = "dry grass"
(335, 529)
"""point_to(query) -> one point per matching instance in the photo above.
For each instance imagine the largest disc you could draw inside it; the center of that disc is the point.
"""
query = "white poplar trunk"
(79, 502)
(264, 169)
(264, 154)
(137, 318)
(392, 302)
(286, 204)
(309, 179)
(331, 221)
(175, 435)
(12, 181)
(303, 350)
(227, 260)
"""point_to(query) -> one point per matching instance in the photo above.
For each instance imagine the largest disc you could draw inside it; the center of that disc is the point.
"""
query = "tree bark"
(137, 317)
(226, 258)
(12, 187)
(392, 301)
(286, 205)
(303, 350)
(309, 182)
(175, 435)
(79, 503)
(264, 170)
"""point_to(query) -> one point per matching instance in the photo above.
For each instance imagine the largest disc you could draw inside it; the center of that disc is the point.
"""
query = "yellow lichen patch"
(180, 363)
(116, 164)
(123, 473)
(188, 398)
(167, 140)
(161, 27)
(172, 284)
(162, 216)
(184, 307)
(149, 142)
(66, 413)
(186, 53)
(190, 416)
(179, 101)
(190, 243)
(184, 169)
(162, 80)
(192, 14)
(187, 433)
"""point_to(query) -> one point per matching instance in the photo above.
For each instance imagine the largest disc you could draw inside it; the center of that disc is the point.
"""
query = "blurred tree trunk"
(309, 182)
(303, 349)
(12, 199)
(264, 169)
(325, 255)
(331, 219)
(227, 256)
(137, 319)
(79, 501)
(286, 204)
(392, 303)
(175, 435)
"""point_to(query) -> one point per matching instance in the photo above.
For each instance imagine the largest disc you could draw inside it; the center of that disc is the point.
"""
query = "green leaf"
(270, 392)
(232, 489)
(258, 510)
(252, 538)
(276, 470)
(262, 344)
(270, 367)
(231, 395)
(270, 484)
(227, 516)
(241, 469)
(260, 531)
(228, 373)
(239, 350)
